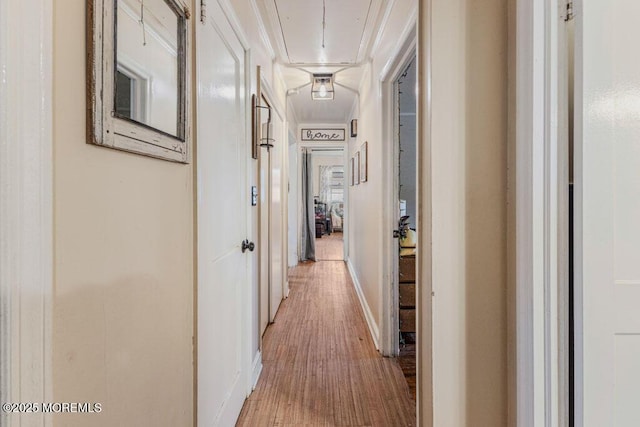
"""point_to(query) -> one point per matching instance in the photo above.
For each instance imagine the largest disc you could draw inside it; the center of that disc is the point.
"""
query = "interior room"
(406, 91)
(328, 200)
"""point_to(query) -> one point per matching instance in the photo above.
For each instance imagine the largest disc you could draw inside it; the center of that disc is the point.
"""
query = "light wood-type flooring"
(320, 366)
(330, 247)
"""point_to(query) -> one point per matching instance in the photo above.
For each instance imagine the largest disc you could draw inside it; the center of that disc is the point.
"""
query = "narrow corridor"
(320, 365)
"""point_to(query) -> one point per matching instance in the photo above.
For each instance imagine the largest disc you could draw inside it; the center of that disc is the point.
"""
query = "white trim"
(264, 35)
(627, 282)
(371, 323)
(406, 51)
(233, 20)
(26, 208)
(578, 224)
(370, 27)
(529, 199)
(382, 24)
(409, 36)
(256, 371)
(274, 22)
(541, 217)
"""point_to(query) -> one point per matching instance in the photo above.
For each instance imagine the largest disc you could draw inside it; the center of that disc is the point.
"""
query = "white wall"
(366, 199)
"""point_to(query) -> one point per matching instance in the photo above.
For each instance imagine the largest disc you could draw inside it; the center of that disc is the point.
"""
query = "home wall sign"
(323, 134)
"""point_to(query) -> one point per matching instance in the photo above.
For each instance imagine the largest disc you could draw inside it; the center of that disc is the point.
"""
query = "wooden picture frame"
(356, 165)
(352, 172)
(364, 162)
(354, 128)
(107, 127)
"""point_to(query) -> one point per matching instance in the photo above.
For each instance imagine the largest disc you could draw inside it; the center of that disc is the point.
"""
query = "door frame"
(539, 215)
(27, 204)
(250, 364)
(389, 340)
(326, 146)
(265, 91)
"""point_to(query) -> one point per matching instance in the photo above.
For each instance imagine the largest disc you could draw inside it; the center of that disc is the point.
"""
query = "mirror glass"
(147, 76)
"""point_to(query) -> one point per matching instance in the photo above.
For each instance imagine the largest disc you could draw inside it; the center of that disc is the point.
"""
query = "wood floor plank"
(330, 247)
(320, 366)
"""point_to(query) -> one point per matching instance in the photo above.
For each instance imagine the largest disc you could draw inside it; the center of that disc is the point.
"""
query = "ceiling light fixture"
(322, 87)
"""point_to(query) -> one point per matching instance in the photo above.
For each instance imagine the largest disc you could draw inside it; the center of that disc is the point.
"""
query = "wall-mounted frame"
(354, 128)
(138, 77)
(364, 162)
(323, 134)
(356, 165)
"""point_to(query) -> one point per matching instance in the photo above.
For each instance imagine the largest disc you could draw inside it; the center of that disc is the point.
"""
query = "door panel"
(608, 208)
(277, 216)
(265, 212)
(222, 222)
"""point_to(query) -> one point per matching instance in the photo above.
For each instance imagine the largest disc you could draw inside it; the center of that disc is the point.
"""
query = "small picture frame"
(364, 163)
(356, 166)
(352, 172)
(354, 128)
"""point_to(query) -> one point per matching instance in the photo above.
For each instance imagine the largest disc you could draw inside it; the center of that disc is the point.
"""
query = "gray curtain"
(308, 234)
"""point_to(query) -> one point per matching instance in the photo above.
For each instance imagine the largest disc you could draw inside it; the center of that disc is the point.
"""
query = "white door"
(608, 213)
(276, 218)
(272, 216)
(265, 238)
(223, 279)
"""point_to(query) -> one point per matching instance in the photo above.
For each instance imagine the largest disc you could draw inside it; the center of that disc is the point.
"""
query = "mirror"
(146, 88)
(138, 76)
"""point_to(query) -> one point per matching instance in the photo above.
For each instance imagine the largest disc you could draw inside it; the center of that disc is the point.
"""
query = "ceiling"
(295, 29)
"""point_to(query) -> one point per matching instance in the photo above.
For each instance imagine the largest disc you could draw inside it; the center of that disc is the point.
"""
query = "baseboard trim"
(368, 315)
(257, 370)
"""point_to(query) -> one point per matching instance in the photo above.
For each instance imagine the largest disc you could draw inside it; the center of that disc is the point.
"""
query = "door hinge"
(569, 13)
(203, 11)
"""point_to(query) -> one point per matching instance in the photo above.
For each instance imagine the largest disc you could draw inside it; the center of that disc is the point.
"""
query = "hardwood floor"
(330, 247)
(320, 366)
(407, 361)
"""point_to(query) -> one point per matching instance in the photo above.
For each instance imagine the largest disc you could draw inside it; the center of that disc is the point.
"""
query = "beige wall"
(467, 167)
(123, 303)
(366, 199)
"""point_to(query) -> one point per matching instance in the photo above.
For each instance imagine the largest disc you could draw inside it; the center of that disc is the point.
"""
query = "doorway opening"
(320, 195)
(405, 200)
(328, 179)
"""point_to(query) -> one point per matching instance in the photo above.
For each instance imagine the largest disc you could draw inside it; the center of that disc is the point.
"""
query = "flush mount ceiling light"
(322, 87)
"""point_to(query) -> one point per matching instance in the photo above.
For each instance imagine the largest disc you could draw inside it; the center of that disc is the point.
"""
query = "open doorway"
(328, 179)
(405, 200)
(321, 200)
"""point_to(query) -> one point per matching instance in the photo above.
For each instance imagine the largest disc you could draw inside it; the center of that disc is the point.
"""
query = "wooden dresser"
(407, 293)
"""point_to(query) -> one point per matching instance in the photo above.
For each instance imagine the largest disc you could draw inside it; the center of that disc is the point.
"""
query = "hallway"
(320, 366)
